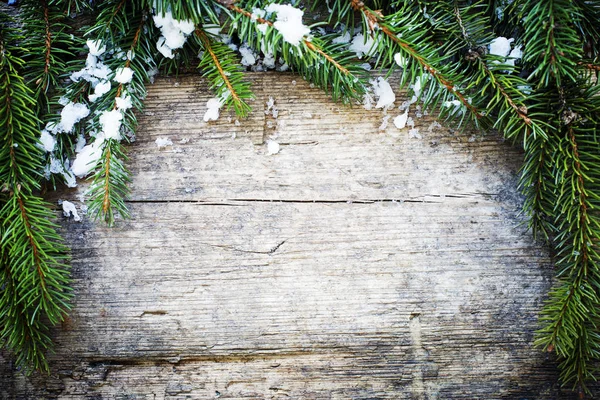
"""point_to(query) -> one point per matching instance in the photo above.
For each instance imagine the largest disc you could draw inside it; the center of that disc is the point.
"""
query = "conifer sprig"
(221, 67)
(551, 41)
(572, 310)
(34, 277)
(49, 47)
(553, 53)
(517, 114)
(318, 60)
(127, 27)
(396, 34)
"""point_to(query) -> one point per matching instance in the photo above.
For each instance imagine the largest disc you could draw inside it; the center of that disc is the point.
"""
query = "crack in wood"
(153, 312)
(237, 201)
(228, 247)
(179, 360)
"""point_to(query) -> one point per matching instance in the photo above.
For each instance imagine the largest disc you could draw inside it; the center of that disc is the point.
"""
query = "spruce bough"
(545, 100)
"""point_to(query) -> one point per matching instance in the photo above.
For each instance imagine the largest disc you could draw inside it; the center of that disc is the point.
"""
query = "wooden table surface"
(356, 263)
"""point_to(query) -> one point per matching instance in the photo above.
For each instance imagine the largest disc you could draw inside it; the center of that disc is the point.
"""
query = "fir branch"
(73, 7)
(44, 23)
(109, 186)
(47, 42)
(587, 26)
(346, 82)
(417, 50)
(224, 73)
(574, 304)
(34, 278)
(538, 189)
(339, 74)
(113, 177)
(557, 120)
(517, 116)
(114, 12)
(499, 82)
(552, 46)
(505, 85)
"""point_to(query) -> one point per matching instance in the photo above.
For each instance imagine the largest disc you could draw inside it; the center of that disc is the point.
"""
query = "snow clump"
(100, 89)
(124, 75)
(47, 141)
(362, 46)
(212, 113)
(271, 108)
(111, 124)
(163, 142)
(401, 60)
(289, 22)
(514, 55)
(94, 70)
(69, 209)
(87, 159)
(96, 47)
(501, 47)
(384, 93)
(272, 147)
(174, 33)
(343, 38)
(400, 120)
(123, 102)
(71, 114)
(248, 55)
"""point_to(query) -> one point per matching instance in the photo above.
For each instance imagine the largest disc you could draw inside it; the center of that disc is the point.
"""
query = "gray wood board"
(355, 263)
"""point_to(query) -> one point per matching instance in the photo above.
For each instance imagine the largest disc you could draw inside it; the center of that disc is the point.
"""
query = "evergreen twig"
(34, 277)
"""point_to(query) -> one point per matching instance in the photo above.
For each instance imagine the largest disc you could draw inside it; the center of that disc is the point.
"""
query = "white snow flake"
(213, 106)
(361, 46)
(70, 115)
(96, 47)
(47, 141)
(111, 124)
(163, 142)
(124, 75)
(70, 209)
(343, 38)
(87, 158)
(123, 102)
(248, 55)
(413, 133)
(272, 147)
(500, 46)
(384, 92)
(401, 60)
(100, 89)
(174, 33)
(400, 120)
(289, 22)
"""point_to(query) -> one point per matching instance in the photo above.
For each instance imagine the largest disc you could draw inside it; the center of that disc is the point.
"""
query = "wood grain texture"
(357, 263)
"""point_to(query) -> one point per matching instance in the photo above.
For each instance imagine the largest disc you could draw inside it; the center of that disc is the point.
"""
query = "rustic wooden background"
(357, 263)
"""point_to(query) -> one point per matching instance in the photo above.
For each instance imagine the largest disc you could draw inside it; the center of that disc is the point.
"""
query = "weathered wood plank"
(328, 152)
(355, 263)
